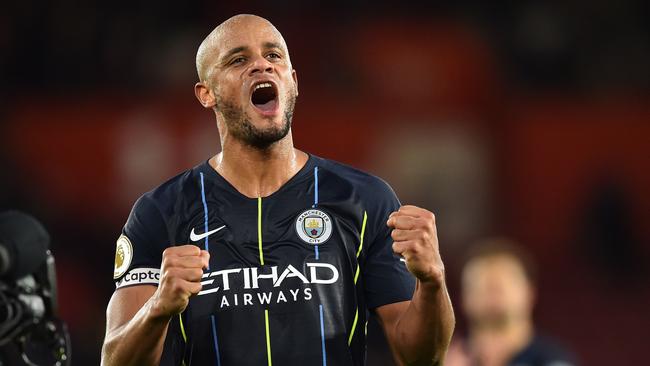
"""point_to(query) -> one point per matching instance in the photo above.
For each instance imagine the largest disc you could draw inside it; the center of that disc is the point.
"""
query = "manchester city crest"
(314, 226)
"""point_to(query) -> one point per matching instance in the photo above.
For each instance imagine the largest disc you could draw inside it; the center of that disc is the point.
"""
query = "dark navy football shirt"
(543, 351)
(292, 276)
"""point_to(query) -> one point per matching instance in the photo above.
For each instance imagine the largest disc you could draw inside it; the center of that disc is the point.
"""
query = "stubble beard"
(240, 126)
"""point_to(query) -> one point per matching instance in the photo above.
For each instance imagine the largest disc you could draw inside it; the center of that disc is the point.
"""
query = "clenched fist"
(180, 278)
(416, 240)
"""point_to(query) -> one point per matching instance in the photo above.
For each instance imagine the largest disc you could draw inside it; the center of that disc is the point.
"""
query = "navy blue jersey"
(543, 351)
(292, 276)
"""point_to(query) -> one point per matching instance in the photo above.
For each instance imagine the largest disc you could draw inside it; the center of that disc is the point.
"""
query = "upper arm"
(124, 304)
(137, 262)
(385, 276)
(388, 285)
(136, 275)
(388, 316)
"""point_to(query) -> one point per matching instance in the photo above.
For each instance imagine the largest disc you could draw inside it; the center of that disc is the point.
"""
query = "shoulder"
(368, 185)
(151, 220)
(153, 212)
(164, 196)
(546, 350)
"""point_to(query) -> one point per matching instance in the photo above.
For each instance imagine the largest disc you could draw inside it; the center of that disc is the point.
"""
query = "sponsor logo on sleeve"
(140, 276)
(123, 256)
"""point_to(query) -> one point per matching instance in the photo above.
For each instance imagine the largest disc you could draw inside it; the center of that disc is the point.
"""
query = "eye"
(273, 55)
(238, 60)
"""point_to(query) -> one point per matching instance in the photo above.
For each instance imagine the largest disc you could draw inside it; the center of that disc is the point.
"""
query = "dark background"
(528, 119)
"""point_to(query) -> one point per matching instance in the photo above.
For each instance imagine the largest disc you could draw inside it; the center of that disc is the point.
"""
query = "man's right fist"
(180, 278)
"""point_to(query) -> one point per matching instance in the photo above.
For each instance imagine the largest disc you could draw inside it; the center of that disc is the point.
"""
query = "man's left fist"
(415, 239)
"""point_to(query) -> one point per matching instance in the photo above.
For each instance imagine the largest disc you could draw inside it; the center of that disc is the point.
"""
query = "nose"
(260, 65)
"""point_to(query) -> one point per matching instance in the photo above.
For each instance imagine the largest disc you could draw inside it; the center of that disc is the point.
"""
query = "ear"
(204, 95)
(294, 75)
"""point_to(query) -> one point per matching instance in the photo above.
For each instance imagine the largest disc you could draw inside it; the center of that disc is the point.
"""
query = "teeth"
(263, 85)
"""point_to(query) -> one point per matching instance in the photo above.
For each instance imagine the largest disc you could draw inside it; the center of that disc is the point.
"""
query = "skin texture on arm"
(133, 336)
(137, 317)
(419, 331)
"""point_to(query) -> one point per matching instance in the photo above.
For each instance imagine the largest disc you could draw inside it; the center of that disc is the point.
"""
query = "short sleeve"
(139, 248)
(386, 278)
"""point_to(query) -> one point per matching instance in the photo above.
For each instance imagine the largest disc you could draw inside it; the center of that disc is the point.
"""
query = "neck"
(497, 345)
(258, 172)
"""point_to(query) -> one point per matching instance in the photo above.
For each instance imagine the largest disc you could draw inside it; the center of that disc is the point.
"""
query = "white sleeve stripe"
(139, 276)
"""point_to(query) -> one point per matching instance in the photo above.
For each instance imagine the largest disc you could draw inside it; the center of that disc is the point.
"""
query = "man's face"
(253, 83)
(496, 291)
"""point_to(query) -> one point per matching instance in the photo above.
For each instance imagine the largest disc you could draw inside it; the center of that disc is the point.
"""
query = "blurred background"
(529, 119)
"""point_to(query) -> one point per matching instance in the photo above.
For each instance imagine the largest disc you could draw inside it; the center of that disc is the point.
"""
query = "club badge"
(314, 226)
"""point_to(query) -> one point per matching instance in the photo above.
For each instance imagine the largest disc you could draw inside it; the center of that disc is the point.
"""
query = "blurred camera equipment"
(30, 331)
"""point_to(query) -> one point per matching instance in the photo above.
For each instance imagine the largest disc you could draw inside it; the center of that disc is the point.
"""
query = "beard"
(240, 126)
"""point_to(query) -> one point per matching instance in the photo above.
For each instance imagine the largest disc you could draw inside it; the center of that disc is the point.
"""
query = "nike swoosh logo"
(196, 237)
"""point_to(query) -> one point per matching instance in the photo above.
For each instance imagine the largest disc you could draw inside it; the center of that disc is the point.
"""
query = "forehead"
(500, 264)
(250, 33)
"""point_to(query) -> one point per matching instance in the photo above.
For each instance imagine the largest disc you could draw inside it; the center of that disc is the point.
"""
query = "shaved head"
(214, 45)
(246, 78)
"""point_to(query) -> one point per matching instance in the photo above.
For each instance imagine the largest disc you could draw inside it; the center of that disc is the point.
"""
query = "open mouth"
(265, 97)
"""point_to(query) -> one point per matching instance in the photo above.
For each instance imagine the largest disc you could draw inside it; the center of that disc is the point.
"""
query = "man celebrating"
(265, 254)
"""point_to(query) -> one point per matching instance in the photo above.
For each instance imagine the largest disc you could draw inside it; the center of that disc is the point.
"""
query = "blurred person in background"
(498, 296)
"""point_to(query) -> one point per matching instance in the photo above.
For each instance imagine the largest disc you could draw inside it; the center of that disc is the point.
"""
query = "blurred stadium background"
(528, 118)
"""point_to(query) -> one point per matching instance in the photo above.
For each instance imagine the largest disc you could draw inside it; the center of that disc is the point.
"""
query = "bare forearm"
(138, 342)
(423, 332)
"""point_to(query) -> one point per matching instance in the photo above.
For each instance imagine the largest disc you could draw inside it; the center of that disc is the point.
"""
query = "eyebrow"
(232, 52)
(272, 45)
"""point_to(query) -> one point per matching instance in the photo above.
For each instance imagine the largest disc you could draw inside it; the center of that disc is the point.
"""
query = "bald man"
(265, 254)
